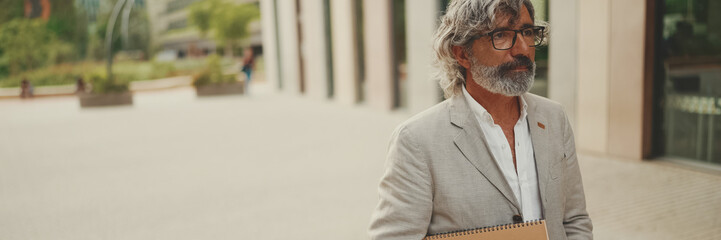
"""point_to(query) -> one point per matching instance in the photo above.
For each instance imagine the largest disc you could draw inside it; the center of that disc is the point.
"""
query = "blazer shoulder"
(428, 121)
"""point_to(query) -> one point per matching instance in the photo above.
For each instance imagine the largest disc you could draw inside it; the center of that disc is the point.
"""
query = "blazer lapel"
(540, 137)
(472, 143)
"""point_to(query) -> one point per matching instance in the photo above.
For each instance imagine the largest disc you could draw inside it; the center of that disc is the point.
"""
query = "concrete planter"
(107, 99)
(217, 89)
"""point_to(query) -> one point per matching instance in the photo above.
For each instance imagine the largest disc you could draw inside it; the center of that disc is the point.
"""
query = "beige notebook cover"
(533, 230)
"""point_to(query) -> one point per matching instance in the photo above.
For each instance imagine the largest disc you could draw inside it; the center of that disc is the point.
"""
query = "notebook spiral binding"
(483, 230)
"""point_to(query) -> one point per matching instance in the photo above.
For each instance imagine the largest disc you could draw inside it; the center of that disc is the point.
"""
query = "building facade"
(639, 79)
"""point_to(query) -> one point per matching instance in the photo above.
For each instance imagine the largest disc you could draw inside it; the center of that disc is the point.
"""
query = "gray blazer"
(441, 177)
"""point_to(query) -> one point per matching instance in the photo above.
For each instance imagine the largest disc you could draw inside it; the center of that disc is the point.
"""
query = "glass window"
(688, 80)
(328, 47)
(360, 85)
(399, 54)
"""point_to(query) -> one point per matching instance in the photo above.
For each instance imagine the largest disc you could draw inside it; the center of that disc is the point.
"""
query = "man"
(491, 154)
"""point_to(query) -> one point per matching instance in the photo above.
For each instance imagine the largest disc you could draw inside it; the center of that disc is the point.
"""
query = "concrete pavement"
(268, 166)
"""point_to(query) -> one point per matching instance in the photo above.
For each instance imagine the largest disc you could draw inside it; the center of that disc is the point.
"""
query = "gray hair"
(463, 20)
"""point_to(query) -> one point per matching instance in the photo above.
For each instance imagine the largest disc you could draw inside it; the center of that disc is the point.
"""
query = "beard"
(502, 79)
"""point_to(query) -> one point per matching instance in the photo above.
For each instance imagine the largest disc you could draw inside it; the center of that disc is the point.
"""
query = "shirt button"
(517, 219)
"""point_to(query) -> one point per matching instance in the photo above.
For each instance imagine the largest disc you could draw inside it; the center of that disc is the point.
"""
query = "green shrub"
(101, 84)
(56, 75)
(63, 74)
(213, 73)
(202, 78)
(27, 44)
(229, 78)
(214, 68)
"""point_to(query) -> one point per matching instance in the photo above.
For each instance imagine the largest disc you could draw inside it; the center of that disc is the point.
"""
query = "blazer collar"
(540, 136)
(472, 143)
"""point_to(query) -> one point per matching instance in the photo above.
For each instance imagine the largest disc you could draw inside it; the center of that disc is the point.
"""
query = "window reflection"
(691, 79)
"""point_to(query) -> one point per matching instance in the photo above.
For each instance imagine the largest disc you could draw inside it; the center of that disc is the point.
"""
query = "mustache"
(519, 61)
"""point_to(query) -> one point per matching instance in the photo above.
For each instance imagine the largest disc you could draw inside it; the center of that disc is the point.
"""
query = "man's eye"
(499, 35)
(527, 32)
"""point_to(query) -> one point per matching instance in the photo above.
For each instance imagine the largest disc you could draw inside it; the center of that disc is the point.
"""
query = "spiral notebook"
(532, 230)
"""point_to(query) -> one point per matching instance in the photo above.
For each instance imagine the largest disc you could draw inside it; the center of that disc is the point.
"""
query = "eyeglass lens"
(505, 39)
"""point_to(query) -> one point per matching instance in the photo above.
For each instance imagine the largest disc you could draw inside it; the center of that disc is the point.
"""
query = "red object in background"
(37, 8)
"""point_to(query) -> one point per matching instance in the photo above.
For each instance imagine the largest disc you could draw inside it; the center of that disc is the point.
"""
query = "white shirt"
(525, 183)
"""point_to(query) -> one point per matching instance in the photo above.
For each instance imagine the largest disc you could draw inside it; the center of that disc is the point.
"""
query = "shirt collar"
(481, 112)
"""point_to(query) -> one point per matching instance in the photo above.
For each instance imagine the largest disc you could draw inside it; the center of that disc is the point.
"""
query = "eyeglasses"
(506, 38)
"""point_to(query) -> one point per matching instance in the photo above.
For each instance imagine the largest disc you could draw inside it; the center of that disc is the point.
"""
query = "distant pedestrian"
(80, 86)
(26, 89)
(248, 64)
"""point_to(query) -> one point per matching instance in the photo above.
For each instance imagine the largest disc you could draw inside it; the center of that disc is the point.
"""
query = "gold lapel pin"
(541, 125)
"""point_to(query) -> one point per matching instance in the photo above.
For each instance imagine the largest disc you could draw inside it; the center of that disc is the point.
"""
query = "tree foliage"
(70, 27)
(228, 21)
(11, 9)
(101, 84)
(201, 15)
(63, 20)
(26, 44)
(139, 32)
(231, 22)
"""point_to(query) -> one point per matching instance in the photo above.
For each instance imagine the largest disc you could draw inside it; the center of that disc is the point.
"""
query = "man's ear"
(461, 57)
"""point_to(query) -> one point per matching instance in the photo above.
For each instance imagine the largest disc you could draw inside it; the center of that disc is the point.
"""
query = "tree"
(70, 27)
(201, 15)
(26, 44)
(11, 9)
(228, 21)
(231, 24)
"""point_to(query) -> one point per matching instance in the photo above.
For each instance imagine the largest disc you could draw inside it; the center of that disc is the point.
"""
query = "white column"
(270, 44)
(313, 47)
(626, 63)
(421, 22)
(345, 51)
(289, 48)
(610, 86)
(379, 65)
(593, 72)
(563, 55)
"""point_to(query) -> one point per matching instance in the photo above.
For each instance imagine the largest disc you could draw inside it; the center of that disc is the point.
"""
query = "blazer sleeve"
(576, 221)
(405, 191)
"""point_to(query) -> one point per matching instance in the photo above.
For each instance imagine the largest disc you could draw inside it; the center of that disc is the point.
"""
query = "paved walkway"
(269, 166)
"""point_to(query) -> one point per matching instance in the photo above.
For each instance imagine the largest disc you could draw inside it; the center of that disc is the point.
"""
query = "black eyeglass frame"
(541, 29)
